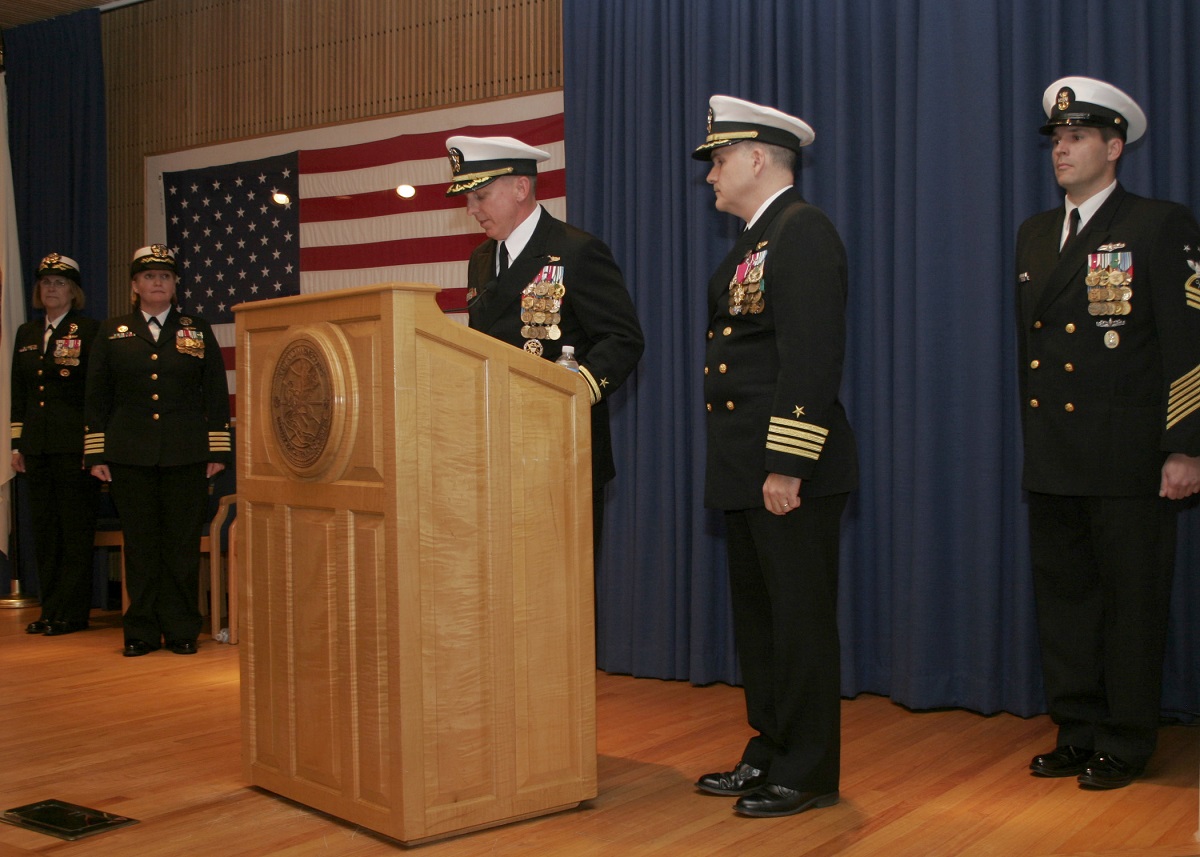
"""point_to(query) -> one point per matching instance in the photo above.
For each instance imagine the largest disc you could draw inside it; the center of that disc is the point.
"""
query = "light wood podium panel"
(414, 504)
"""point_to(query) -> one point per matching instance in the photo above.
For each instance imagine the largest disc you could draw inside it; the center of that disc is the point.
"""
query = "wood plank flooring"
(158, 738)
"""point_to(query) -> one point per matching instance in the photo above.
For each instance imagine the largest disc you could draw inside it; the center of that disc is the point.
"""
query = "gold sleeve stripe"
(93, 443)
(784, 422)
(593, 387)
(219, 441)
(796, 438)
(1184, 398)
(16, 430)
(804, 453)
(1191, 291)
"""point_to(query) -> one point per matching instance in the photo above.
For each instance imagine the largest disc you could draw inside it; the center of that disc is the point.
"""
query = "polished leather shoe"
(183, 647)
(137, 648)
(1065, 761)
(742, 780)
(1105, 771)
(58, 627)
(38, 627)
(771, 801)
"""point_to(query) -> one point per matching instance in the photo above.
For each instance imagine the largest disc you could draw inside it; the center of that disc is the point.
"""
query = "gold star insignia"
(603, 382)
(798, 411)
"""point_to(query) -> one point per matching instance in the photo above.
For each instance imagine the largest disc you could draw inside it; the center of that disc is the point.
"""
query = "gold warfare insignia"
(124, 328)
(456, 159)
(186, 321)
(1064, 98)
(73, 329)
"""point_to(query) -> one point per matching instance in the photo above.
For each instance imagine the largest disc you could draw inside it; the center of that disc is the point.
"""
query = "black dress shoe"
(771, 801)
(1065, 761)
(58, 628)
(183, 647)
(38, 627)
(742, 780)
(1105, 771)
(137, 648)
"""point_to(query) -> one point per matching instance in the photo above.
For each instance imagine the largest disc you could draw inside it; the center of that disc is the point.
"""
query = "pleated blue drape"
(927, 158)
(59, 152)
(56, 129)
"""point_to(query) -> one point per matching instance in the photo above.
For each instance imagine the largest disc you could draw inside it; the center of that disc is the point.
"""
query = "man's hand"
(1180, 476)
(781, 494)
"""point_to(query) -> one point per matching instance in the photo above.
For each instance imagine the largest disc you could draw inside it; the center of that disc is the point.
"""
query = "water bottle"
(567, 358)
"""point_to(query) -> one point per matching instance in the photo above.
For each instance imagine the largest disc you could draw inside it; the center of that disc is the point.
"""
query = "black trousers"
(783, 575)
(63, 498)
(1102, 572)
(162, 513)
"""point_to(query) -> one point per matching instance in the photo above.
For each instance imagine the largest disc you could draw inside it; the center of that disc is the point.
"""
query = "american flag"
(319, 219)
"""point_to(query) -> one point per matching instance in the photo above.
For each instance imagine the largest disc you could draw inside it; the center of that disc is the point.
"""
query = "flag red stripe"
(412, 147)
(382, 254)
(380, 203)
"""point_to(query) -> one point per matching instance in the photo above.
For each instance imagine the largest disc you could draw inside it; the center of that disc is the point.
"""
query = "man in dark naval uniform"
(50, 360)
(1108, 321)
(781, 456)
(540, 284)
(157, 414)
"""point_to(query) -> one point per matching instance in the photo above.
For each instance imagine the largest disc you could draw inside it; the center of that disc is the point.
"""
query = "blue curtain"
(56, 130)
(56, 127)
(927, 158)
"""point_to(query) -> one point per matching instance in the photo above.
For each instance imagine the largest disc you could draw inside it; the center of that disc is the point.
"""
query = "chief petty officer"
(1108, 321)
(157, 414)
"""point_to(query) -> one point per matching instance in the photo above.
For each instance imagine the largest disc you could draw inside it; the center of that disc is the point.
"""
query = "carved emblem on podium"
(308, 411)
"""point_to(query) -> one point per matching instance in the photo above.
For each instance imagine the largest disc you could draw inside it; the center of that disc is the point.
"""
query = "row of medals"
(747, 298)
(541, 305)
(1109, 291)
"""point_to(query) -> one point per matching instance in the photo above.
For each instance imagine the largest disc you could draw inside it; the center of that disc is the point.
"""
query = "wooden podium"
(414, 504)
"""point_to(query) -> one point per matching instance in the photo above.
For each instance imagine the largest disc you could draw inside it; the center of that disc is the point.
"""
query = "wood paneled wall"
(184, 73)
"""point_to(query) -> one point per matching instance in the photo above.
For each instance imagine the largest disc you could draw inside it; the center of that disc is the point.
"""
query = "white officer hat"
(56, 264)
(732, 120)
(479, 161)
(156, 256)
(1092, 103)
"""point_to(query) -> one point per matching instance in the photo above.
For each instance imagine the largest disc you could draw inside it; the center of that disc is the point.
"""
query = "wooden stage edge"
(158, 739)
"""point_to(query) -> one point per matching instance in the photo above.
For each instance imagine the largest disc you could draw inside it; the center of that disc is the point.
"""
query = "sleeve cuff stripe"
(803, 453)
(592, 385)
(796, 424)
(793, 443)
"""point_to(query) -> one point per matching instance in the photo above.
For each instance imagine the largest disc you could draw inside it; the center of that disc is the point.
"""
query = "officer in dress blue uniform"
(157, 429)
(50, 361)
(539, 284)
(781, 456)
(1108, 321)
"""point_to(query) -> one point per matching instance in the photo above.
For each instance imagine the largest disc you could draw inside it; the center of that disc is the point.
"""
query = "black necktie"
(1072, 230)
(155, 326)
(502, 258)
(47, 336)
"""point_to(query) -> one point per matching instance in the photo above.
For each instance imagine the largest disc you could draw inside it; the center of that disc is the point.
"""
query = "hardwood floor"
(157, 738)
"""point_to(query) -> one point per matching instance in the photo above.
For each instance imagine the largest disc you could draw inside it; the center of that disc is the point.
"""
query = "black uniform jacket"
(47, 388)
(1106, 396)
(771, 376)
(163, 403)
(598, 317)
